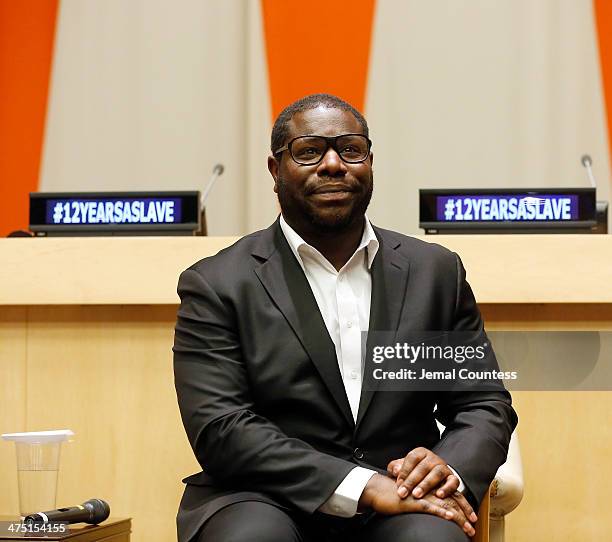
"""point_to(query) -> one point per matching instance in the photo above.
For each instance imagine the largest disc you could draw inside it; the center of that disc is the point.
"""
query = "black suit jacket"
(261, 395)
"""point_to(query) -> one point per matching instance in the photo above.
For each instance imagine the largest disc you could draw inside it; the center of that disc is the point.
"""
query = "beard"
(323, 219)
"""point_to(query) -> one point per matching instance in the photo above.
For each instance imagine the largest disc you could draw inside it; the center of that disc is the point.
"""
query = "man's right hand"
(380, 495)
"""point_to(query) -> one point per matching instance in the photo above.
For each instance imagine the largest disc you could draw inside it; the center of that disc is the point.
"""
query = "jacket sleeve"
(478, 424)
(240, 449)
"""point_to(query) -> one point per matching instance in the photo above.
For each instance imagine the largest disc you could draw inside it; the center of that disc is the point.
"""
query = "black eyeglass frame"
(331, 142)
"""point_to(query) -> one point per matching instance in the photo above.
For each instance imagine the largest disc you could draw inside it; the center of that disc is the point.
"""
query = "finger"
(412, 459)
(458, 517)
(448, 487)
(434, 478)
(394, 466)
(465, 506)
(418, 473)
(427, 507)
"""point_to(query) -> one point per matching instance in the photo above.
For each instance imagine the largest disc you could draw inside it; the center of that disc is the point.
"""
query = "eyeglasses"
(310, 150)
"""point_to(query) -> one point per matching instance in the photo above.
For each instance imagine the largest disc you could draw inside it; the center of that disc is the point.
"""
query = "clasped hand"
(423, 483)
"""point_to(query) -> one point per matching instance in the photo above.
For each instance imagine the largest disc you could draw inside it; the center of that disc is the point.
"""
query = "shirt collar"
(368, 241)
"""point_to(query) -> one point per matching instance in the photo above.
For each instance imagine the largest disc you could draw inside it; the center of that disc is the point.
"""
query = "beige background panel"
(461, 94)
(151, 94)
(106, 373)
(13, 374)
(137, 270)
(261, 202)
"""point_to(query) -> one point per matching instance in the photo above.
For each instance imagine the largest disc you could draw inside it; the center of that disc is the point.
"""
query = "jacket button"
(358, 454)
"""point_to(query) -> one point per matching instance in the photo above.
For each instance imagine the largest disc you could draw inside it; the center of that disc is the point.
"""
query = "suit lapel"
(389, 279)
(285, 282)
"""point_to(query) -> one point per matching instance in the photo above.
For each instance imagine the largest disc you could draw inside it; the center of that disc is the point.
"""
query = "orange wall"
(317, 46)
(27, 28)
(603, 17)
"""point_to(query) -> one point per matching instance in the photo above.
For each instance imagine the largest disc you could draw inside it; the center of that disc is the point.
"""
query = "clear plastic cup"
(38, 456)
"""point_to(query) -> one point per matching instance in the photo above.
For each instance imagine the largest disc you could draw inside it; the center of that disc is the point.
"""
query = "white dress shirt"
(343, 297)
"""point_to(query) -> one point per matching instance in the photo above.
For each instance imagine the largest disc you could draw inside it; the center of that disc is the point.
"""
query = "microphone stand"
(216, 173)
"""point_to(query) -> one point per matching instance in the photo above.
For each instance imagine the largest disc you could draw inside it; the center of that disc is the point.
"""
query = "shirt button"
(349, 324)
(358, 453)
(354, 375)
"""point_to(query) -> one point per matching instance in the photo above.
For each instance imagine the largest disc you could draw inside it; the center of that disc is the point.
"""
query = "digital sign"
(108, 213)
(510, 209)
(505, 207)
(114, 211)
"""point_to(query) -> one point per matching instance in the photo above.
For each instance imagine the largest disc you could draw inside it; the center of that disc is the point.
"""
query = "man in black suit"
(268, 365)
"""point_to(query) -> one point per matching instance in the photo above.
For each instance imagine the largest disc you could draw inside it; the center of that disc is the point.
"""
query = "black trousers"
(253, 521)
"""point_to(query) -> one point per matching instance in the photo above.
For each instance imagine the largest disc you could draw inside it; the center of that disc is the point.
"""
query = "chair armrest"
(507, 487)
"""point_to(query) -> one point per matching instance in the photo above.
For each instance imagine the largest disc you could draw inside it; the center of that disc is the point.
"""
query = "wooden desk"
(502, 269)
(112, 530)
(86, 329)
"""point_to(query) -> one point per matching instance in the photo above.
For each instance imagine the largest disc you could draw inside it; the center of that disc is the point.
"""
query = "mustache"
(331, 185)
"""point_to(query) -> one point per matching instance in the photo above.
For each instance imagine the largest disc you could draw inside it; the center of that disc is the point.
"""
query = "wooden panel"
(98, 270)
(535, 268)
(142, 270)
(111, 530)
(565, 437)
(105, 370)
(106, 373)
(566, 446)
(561, 316)
(12, 399)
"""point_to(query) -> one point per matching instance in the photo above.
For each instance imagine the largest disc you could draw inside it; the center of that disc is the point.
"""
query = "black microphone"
(93, 511)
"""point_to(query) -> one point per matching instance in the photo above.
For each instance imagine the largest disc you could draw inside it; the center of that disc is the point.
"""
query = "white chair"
(506, 491)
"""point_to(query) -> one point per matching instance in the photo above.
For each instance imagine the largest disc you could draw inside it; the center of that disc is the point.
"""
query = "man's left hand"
(420, 472)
